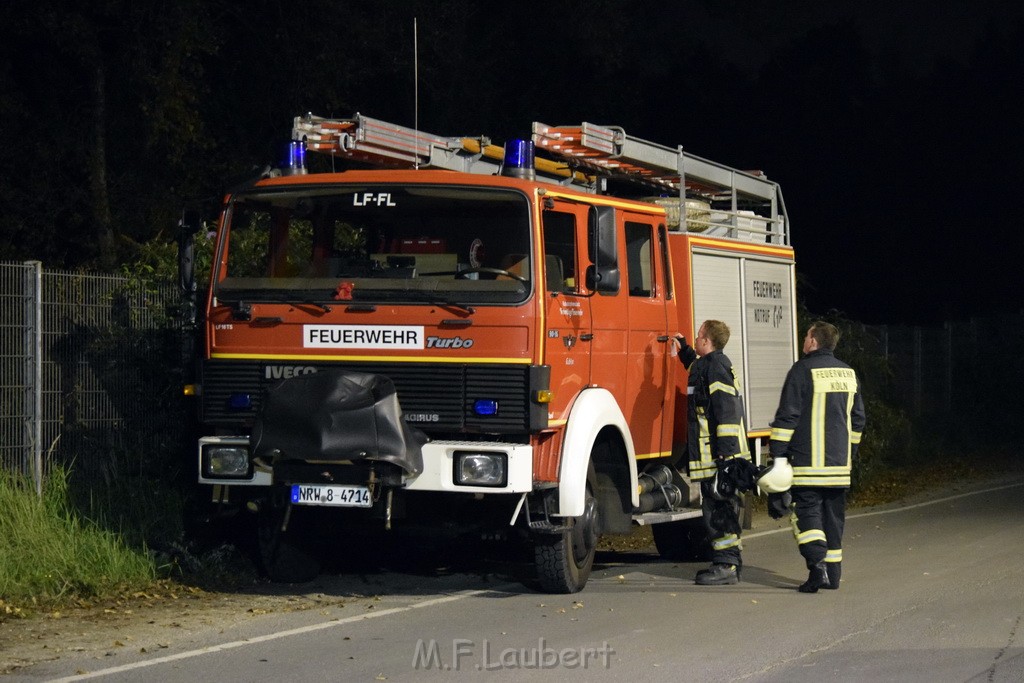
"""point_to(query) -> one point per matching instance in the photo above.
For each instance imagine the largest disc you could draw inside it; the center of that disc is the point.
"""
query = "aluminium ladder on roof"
(609, 150)
(596, 150)
(386, 144)
(380, 143)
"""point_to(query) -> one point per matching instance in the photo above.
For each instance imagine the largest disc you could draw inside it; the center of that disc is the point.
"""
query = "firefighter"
(716, 439)
(818, 426)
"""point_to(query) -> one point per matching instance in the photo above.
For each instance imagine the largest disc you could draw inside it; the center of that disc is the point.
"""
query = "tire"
(682, 541)
(563, 561)
(281, 556)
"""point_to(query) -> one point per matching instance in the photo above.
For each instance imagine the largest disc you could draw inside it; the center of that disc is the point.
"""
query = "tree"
(100, 109)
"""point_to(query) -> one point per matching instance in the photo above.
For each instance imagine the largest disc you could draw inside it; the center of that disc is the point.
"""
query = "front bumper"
(440, 459)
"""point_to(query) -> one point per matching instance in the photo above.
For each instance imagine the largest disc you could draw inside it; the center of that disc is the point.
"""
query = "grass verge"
(48, 552)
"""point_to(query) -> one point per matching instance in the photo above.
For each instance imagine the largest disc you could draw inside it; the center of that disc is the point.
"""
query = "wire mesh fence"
(966, 372)
(16, 403)
(87, 368)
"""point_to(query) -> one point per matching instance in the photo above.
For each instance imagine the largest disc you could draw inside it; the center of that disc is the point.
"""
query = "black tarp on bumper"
(333, 415)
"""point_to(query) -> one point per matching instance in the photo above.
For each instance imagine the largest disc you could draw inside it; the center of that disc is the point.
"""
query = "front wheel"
(564, 560)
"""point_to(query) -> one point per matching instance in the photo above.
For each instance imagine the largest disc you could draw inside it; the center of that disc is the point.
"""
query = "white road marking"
(274, 636)
(789, 529)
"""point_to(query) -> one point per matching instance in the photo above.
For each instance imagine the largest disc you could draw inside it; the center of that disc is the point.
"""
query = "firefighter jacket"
(819, 421)
(716, 428)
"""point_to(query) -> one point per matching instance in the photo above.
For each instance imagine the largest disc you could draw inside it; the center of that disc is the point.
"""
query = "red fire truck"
(440, 330)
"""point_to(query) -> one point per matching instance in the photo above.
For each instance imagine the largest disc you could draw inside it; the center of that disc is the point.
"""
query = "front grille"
(437, 398)
(220, 382)
(505, 384)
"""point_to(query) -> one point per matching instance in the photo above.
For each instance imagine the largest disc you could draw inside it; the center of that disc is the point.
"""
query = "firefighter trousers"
(722, 523)
(819, 515)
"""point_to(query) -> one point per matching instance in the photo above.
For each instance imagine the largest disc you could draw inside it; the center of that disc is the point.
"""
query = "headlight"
(481, 469)
(227, 461)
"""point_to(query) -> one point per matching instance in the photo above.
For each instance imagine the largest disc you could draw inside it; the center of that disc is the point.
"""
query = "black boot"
(835, 571)
(818, 578)
(718, 574)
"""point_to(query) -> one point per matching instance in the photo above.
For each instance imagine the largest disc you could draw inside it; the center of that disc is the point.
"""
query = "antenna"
(416, 89)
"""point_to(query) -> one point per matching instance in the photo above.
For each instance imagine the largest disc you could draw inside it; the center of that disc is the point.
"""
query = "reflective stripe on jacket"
(819, 421)
(717, 428)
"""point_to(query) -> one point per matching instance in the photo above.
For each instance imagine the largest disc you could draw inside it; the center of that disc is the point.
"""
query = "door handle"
(586, 337)
(664, 338)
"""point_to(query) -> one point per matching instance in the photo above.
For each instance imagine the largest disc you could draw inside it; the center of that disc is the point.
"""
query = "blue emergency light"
(294, 159)
(519, 159)
(240, 401)
(485, 406)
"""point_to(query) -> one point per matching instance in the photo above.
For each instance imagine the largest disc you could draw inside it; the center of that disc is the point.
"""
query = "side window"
(560, 251)
(638, 255)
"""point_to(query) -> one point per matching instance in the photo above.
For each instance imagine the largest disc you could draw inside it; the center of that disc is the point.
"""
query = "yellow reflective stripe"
(395, 359)
(849, 411)
(855, 437)
(821, 471)
(704, 439)
(818, 430)
(834, 555)
(728, 430)
(780, 434)
(702, 469)
(810, 536)
(822, 481)
(727, 541)
(721, 386)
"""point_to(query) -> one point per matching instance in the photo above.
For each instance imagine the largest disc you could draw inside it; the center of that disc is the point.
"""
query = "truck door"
(567, 346)
(649, 376)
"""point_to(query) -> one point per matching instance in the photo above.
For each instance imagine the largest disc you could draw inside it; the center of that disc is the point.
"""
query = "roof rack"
(581, 156)
(377, 142)
(608, 151)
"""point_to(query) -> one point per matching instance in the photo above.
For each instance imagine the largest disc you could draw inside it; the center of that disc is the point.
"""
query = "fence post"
(33, 289)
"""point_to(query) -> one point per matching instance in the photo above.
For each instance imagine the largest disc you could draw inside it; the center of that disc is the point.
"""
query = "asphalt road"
(932, 591)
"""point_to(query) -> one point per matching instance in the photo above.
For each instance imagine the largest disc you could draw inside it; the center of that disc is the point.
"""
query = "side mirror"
(603, 275)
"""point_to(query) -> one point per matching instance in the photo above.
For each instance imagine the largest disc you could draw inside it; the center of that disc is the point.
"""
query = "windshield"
(377, 244)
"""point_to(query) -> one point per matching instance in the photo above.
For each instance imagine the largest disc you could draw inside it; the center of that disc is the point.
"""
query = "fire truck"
(405, 330)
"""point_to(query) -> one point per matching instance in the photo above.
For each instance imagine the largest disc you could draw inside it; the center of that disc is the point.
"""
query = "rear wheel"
(564, 560)
(682, 541)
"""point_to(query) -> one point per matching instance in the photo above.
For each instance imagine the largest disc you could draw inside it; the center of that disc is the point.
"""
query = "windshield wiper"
(444, 302)
(241, 307)
(324, 308)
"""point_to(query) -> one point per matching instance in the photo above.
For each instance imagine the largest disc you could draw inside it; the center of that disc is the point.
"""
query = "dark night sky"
(902, 189)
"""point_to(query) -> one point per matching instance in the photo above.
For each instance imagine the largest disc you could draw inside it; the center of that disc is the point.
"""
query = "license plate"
(343, 496)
